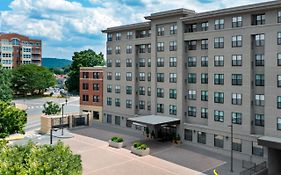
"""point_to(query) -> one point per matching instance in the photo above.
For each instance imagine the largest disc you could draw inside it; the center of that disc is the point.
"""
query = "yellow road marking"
(215, 172)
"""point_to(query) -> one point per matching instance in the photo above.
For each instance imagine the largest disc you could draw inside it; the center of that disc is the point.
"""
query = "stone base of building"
(95, 113)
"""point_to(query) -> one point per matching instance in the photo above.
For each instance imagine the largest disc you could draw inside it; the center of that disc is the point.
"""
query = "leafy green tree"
(31, 79)
(12, 120)
(86, 58)
(6, 92)
(51, 108)
(39, 159)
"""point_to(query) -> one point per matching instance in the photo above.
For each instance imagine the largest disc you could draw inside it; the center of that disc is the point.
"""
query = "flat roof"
(154, 119)
(270, 142)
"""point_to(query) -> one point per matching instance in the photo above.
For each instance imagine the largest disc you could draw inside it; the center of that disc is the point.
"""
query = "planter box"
(139, 151)
(115, 144)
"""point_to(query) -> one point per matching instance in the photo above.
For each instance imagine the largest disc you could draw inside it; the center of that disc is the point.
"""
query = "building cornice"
(127, 27)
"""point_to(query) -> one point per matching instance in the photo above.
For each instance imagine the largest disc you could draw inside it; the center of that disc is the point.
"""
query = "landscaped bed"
(140, 149)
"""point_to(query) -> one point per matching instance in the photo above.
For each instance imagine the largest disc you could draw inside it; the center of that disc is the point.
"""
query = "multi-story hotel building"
(206, 70)
(91, 92)
(17, 49)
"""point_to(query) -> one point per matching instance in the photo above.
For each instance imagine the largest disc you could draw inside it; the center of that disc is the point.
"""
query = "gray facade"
(226, 72)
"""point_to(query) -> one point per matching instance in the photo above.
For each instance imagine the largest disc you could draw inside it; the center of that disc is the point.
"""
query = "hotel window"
(278, 102)
(117, 63)
(259, 120)
(149, 76)
(219, 42)
(109, 37)
(129, 90)
(173, 45)
(204, 78)
(259, 59)
(173, 110)
(191, 95)
(96, 75)
(257, 150)
(142, 48)
(173, 29)
(204, 26)
(85, 74)
(129, 49)
(117, 120)
(118, 36)
(278, 80)
(129, 35)
(204, 112)
(160, 93)
(219, 97)
(259, 40)
(142, 34)
(259, 100)
(117, 89)
(129, 76)
(218, 141)
(129, 104)
(204, 44)
(204, 61)
(237, 21)
(142, 104)
(173, 94)
(117, 76)
(148, 62)
(192, 28)
(141, 90)
(192, 45)
(191, 111)
(258, 19)
(109, 88)
(109, 101)
(109, 76)
(278, 59)
(160, 108)
(237, 41)
(219, 24)
(85, 97)
(219, 60)
(236, 99)
(109, 63)
(219, 79)
(236, 79)
(141, 76)
(148, 48)
(96, 87)
(204, 95)
(279, 16)
(160, 62)
(96, 98)
(201, 137)
(192, 61)
(259, 80)
(128, 62)
(173, 62)
(142, 62)
(237, 145)
(236, 60)
(279, 38)
(236, 118)
(148, 105)
(117, 50)
(148, 91)
(160, 77)
(278, 123)
(160, 46)
(188, 134)
(218, 116)
(109, 118)
(117, 102)
(160, 31)
(192, 78)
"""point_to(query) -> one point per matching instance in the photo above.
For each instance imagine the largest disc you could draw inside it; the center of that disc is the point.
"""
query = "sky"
(68, 26)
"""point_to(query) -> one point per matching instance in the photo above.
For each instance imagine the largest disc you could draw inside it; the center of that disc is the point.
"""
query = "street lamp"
(231, 156)
(51, 132)
(62, 110)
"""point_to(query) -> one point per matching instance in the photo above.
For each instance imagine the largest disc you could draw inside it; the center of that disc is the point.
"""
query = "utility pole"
(62, 110)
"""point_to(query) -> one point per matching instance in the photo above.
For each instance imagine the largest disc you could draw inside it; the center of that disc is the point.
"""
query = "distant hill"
(55, 62)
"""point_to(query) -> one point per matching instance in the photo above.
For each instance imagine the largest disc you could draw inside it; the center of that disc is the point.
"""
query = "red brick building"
(91, 91)
(17, 49)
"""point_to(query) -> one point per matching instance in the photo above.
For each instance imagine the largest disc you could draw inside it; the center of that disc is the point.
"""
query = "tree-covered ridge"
(55, 62)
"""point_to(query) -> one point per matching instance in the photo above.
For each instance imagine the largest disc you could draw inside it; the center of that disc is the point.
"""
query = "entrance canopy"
(154, 120)
(270, 142)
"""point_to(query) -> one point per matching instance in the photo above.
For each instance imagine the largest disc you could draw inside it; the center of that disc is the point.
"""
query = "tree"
(31, 79)
(6, 92)
(51, 108)
(86, 58)
(39, 159)
(12, 120)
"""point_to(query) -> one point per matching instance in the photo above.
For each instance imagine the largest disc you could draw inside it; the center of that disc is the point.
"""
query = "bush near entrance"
(117, 139)
(140, 146)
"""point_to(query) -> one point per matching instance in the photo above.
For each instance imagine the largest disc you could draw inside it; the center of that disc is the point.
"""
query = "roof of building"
(127, 27)
(154, 119)
(92, 68)
(271, 142)
(9, 36)
(168, 13)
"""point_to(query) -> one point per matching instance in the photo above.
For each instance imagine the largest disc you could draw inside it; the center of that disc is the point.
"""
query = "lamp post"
(62, 110)
(51, 132)
(231, 155)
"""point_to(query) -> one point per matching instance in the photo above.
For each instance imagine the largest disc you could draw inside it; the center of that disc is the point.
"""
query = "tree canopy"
(6, 92)
(31, 79)
(39, 159)
(51, 108)
(86, 58)
(12, 120)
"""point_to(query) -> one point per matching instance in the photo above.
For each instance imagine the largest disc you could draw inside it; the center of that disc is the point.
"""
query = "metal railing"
(254, 169)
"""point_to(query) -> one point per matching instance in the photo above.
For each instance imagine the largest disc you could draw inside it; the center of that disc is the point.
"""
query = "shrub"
(137, 144)
(140, 146)
(117, 139)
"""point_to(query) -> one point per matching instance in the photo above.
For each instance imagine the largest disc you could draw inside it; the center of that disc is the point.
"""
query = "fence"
(254, 169)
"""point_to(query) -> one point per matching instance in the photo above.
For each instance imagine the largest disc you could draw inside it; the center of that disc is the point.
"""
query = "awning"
(270, 142)
(154, 120)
